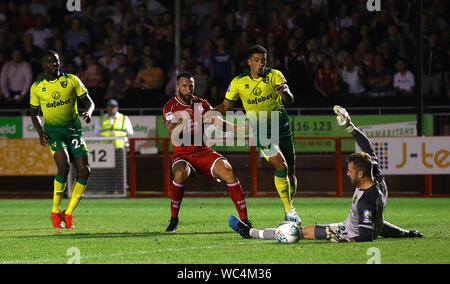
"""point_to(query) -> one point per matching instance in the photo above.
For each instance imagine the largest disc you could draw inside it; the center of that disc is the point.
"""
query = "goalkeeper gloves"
(334, 235)
(343, 118)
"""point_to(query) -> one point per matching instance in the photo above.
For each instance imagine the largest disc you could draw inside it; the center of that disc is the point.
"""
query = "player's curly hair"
(362, 162)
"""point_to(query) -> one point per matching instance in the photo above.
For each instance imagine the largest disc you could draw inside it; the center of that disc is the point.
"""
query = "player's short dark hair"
(362, 162)
(47, 53)
(256, 49)
(187, 75)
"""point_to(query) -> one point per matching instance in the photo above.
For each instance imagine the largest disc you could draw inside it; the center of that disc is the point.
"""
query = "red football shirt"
(172, 113)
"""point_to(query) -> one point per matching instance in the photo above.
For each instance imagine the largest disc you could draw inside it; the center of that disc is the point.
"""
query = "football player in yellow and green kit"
(56, 94)
(264, 90)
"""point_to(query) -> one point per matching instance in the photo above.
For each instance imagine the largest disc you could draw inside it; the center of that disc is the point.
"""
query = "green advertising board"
(325, 126)
(371, 125)
(11, 127)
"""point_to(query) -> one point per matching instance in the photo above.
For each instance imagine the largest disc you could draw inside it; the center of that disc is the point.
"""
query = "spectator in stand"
(121, 80)
(76, 35)
(389, 55)
(37, 7)
(25, 20)
(274, 51)
(186, 53)
(205, 53)
(343, 20)
(363, 57)
(379, 80)
(296, 71)
(432, 67)
(6, 44)
(92, 76)
(117, 42)
(32, 54)
(326, 79)
(117, 16)
(143, 19)
(308, 20)
(338, 54)
(325, 47)
(170, 89)
(365, 34)
(201, 81)
(240, 48)
(221, 70)
(41, 34)
(206, 30)
(254, 26)
(352, 77)
(333, 32)
(355, 28)
(15, 80)
(313, 55)
(289, 15)
(277, 25)
(231, 29)
(242, 14)
(149, 83)
(109, 60)
(347, 42)
(82, 50)
(132, 58)
(403, 80)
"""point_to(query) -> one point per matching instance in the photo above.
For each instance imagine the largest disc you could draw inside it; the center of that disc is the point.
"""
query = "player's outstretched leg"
(392, 231)
(181, 172)
(224, 171)
(239, 227)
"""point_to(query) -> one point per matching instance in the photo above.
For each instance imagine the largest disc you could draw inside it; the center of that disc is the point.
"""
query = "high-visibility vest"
(117, 129)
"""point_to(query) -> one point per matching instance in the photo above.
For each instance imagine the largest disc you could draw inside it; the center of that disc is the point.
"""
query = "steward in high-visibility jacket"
(114, 124)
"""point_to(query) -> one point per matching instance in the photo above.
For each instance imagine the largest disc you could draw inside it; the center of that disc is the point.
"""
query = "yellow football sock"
(292, 188)
(282, 185)
(59, 186)
(77, 193)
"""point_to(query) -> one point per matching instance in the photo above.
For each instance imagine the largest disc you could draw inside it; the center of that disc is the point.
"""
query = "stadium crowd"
(329, 50)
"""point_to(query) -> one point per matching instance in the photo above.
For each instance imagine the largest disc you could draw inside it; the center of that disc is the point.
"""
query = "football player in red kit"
(183, 116)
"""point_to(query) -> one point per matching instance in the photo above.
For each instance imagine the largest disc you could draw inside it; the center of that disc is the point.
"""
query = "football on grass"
(287, 233)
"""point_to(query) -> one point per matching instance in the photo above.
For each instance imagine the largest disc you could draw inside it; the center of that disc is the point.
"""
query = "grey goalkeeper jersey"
(367, 204)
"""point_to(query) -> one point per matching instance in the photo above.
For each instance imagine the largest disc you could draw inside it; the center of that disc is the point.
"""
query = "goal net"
(108, 169)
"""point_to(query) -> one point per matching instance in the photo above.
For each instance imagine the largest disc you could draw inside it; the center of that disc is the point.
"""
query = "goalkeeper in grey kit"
(365, 221)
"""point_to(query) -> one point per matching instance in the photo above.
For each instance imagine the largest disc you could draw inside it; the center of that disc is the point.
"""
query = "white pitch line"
(43, 260)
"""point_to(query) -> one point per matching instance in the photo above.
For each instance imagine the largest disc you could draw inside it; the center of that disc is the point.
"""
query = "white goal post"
(108, 169)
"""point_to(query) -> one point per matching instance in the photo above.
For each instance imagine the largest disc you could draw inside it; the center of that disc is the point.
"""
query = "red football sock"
(176, 196)
(237, 195)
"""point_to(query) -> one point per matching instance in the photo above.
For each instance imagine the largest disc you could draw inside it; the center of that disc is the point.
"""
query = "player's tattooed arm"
(285, 93)
(43, 137)
(90, 106)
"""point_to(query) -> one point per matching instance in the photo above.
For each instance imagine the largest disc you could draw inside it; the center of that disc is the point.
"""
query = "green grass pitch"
(132, 231)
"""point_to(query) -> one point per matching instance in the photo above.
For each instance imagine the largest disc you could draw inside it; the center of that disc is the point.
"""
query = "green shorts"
(285, 144)
(68, 137)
